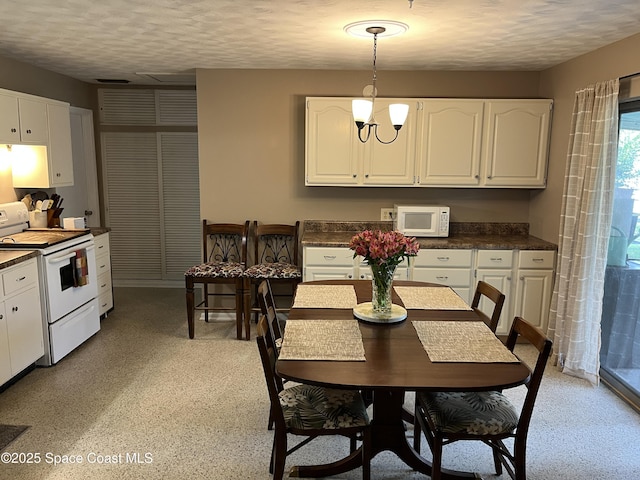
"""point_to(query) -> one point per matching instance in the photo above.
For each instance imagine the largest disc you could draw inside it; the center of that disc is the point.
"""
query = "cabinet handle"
(14, 309)
(329, 257)
(20, 279)
(366, 175)
(496, 259)
(29, 131)
(477, 177)
(521, 278)
(444, 277)
(443, 259)
(489, 177)
(58, 175)
(349, 276)
(361, 277)
(355, 175)
(1, 316)
(538, 260)
(13, 130)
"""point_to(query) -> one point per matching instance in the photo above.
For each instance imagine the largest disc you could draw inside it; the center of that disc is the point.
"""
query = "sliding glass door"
(620, 349)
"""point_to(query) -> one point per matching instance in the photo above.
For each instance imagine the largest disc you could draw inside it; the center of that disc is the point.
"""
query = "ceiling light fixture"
(363, 110)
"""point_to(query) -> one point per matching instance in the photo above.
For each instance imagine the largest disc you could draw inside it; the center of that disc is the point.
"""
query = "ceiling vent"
(112, 80)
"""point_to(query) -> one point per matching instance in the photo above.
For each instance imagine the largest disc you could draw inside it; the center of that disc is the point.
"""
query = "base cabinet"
(534, 286)
(103, 265)
(451, 267)
(495, 267)
(21, 336)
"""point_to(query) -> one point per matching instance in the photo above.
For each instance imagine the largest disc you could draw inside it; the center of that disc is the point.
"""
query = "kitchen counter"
(490, 236)
(9, 258)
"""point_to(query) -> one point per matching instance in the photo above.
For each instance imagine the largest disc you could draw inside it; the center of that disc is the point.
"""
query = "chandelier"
(363, 110)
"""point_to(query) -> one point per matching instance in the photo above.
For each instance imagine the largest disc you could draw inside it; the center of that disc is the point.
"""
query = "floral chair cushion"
(310, 407)
(273, 270)
(473, 413)
(216, 270)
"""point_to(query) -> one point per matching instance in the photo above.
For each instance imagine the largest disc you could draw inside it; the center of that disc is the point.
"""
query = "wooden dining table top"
(395, 356)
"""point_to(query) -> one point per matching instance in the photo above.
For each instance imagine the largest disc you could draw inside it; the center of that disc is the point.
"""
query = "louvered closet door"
(152, 199)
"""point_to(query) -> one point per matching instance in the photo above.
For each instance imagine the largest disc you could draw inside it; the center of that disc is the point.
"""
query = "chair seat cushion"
(473, 413)
(308, 407)
(273, 270)
(216, 270)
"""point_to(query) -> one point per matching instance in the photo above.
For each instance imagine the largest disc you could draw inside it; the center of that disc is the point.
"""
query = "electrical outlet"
(386, 214)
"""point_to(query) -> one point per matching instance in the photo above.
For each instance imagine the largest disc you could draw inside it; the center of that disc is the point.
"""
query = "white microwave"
(422, 220)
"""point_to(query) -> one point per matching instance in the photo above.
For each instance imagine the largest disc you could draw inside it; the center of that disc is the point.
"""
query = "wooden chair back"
(268, 308)
(276, 243)
(536, 337)
(225, 242)
(484, 289)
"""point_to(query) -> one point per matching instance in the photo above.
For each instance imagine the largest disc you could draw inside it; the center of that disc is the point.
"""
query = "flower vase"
(381, 288)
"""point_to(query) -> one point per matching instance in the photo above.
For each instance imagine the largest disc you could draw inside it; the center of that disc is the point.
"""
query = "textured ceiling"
(89, 39)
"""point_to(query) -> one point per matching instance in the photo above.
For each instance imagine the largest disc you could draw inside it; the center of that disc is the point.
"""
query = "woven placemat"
(451, 341)
(325, 296)
(431, 298)
(339, 340)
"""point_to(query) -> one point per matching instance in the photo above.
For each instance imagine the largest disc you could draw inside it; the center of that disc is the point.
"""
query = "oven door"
(64, 292)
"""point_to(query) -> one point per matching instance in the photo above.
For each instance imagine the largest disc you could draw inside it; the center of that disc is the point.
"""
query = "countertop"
(490, 236)
(9, 258)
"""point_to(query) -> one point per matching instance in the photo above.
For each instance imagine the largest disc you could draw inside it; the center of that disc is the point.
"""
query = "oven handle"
(68, 256)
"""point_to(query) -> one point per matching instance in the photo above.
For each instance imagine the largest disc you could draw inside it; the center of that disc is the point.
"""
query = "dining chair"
(268, 308)
(276, 259)
(224, 247)
(446, 417)
(487, 291)
(310, 411)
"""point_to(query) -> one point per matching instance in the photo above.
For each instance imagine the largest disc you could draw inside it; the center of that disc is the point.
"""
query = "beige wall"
(20, 77)
(560, 83)
(251, 140)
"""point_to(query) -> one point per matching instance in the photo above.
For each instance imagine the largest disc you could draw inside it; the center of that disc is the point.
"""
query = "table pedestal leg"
(387, 433)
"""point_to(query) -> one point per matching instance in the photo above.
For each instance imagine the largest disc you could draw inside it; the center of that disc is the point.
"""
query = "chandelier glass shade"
(363, 109)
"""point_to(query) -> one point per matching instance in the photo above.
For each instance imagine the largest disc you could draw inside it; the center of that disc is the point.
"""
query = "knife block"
(53, 217)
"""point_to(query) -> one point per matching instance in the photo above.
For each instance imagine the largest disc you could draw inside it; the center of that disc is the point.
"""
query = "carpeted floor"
(142, 401)
(8, 433)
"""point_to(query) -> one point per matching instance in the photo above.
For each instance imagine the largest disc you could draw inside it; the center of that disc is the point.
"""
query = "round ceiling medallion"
(391, 28)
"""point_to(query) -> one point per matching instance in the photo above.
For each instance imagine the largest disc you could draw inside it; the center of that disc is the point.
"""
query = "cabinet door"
(24, 328)
(500, 279)
(9, 120)
(533, 296)
(516, 139)
(60, 155)
(450, 140)
(33, 121)
(394, 163)
(5, 359)
(332, 151)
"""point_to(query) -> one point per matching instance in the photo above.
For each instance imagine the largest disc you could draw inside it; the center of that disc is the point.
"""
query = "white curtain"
(576, 304)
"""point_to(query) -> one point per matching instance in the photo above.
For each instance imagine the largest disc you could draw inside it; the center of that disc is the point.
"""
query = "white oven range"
(68, 281)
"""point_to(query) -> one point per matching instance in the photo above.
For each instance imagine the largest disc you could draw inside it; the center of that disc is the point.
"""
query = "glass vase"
(381, 288)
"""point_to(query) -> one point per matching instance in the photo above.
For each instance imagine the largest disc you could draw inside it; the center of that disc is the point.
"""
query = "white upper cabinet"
(450, 142)
(40, 131)
(444, 143)
(516, 142)
(334, 154)
(22, 120)
(393, 163)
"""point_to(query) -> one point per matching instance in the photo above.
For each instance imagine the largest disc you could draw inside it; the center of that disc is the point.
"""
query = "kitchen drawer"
(20, 276)
(105, 303)
(102, 243)
(444, 276)
(537, 259)
(494, 258)
(328, 256)
(443, 258)
(104, 283)
(103, 264)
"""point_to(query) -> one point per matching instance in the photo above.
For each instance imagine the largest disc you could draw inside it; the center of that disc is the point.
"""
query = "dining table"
(393, 360)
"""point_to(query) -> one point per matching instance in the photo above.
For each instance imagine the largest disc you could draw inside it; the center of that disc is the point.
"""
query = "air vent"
(169, 78)
(112, 80)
